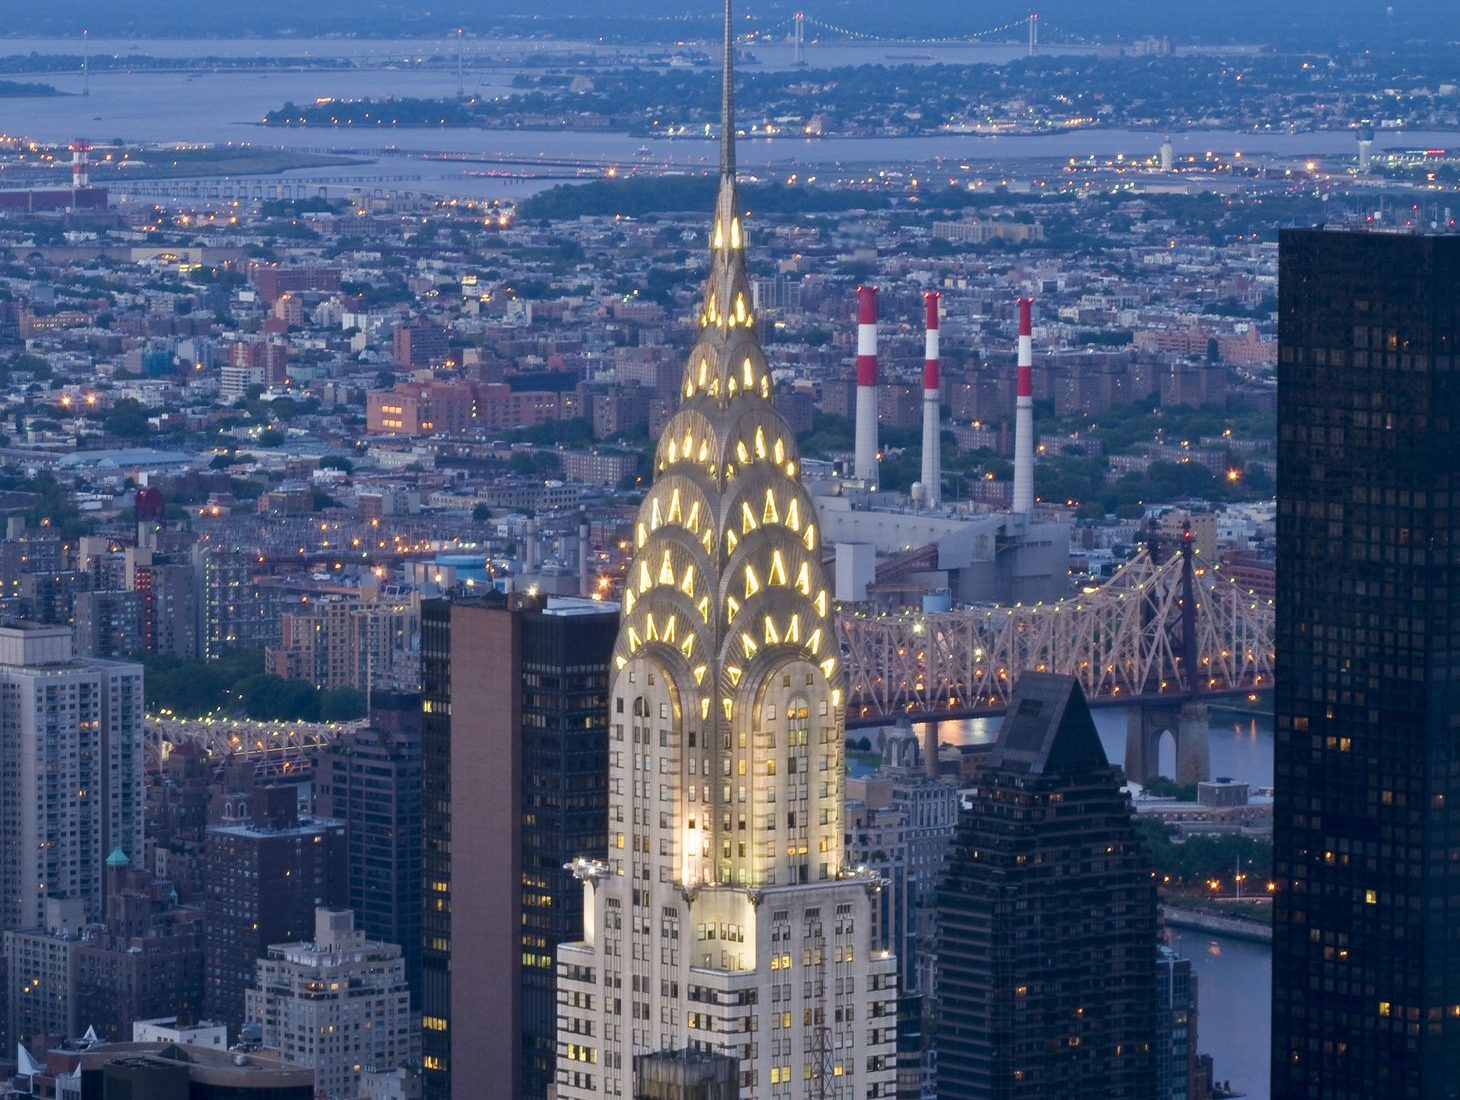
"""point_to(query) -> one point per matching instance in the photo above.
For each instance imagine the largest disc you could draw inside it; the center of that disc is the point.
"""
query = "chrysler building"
(725, 918)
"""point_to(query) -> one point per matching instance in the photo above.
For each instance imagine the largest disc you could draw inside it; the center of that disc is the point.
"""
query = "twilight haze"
(734, 550)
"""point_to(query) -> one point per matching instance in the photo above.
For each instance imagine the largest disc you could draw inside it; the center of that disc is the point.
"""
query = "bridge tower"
(460, 67)
(1187, 719)
(799, 38)
(1189, 725)
(1033, 34)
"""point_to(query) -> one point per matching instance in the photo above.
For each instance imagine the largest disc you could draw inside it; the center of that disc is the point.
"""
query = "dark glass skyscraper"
(1366, 949)
(370, 779)
(1047, 918)
(515, 744)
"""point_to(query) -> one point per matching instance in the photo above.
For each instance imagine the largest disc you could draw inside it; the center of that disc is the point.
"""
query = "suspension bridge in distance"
(803, 29)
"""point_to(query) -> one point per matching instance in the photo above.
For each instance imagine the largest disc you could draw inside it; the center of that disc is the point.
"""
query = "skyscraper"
(515, 743)
(70, 772)
(1047, 918)
(725, 917)
(1366, 823)
(370, 779)
(266, 872)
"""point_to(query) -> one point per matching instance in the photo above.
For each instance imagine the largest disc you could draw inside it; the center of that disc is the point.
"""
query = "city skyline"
(769, 552)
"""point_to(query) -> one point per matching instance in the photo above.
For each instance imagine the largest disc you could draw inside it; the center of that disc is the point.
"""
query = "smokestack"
(529, 538)
(585, 586)
(865, 463)
(80, 165)
(1024, 415)
(932, 438)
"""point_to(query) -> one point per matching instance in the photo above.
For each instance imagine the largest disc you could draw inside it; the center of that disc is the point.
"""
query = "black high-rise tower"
(1366, 949)
(1047, 918)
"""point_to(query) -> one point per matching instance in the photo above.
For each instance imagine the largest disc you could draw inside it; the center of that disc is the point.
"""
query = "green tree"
(128, 419)
(269, 697)
(343, 704)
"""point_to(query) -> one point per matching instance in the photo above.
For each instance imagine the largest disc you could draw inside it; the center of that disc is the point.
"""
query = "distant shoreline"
(11, 89)
(1239, 928)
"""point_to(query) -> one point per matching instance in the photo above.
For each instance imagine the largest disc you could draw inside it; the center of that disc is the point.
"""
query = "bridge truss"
(1165, 626)
(276, 748)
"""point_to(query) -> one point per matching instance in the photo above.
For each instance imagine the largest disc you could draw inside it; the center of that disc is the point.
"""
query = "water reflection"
(1234, 986)
(1241, 742)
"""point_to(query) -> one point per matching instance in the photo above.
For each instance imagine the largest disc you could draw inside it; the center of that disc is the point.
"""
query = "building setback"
(1366, 821)
(338, 1003)
(515, 745)
(1047, 918)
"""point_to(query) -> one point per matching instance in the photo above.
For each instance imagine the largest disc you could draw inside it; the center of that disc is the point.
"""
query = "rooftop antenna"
(727, 102)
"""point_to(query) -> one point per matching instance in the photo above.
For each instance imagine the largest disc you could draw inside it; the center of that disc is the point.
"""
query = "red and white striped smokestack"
(80, 165)
(864, 466)
(932, 392)
(1024, 415)
(931, 356)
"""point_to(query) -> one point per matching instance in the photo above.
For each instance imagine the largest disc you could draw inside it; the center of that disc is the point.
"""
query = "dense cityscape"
(940, 542)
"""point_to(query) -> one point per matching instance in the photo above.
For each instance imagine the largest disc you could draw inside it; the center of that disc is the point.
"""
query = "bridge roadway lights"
(1190, 725)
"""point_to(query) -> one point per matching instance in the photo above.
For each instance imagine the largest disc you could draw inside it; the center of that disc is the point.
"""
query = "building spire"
(726, 318)
(727, 101)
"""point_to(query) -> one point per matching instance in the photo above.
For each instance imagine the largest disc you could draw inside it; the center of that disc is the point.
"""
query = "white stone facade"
(725, 917)
(340, 1004)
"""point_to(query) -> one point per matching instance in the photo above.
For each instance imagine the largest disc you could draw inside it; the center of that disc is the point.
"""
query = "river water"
(1241, 742)
(222, 107)
(1234, 990)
